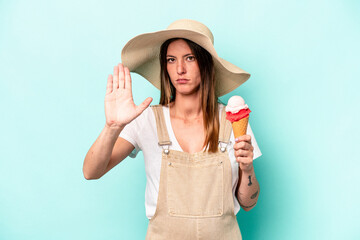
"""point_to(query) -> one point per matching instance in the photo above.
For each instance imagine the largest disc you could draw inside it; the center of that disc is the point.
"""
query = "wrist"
(113, 129)
(114, 126)
(248, 171)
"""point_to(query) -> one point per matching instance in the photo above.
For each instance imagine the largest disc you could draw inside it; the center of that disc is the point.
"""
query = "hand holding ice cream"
(237, 112)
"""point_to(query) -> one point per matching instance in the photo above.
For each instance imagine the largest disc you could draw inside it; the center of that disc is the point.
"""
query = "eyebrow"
(183, 56)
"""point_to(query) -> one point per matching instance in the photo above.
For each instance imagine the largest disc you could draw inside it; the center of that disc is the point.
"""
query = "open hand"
(120, 108)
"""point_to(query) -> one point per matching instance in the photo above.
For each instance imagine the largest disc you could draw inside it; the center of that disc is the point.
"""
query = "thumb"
(143, 105)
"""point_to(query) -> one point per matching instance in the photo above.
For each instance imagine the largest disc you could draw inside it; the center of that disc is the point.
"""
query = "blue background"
(55, 57)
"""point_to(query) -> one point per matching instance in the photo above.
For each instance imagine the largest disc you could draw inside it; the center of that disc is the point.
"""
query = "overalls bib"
(195, 198)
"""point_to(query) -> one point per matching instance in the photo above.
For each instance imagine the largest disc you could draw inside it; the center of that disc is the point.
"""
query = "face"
(183, 68)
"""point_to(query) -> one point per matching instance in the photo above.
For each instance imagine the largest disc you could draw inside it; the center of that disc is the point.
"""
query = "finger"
(247, 155)
(143, 105)
(244, 160)
(245, 163)
(241, 153)
(121, 76)
(109, 85)
(243, 138)
(116, 78)
(127, 78)
(242, 145)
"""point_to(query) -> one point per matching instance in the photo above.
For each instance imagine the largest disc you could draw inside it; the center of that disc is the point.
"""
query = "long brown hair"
(209, 99)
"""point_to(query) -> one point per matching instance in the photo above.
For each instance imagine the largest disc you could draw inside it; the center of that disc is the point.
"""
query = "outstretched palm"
(120, 108)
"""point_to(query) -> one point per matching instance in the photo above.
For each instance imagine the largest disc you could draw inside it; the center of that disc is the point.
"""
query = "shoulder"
(221, 106)
(146, 114)
(142, 120)
(142, 123)
(157, 109)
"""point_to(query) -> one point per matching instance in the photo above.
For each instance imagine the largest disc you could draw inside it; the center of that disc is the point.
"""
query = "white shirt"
(142, 134)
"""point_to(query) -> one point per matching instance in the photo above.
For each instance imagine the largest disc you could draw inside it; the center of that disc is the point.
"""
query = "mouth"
(182, 80)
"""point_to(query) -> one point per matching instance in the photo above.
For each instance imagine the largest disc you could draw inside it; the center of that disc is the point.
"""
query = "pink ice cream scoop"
(236, 109)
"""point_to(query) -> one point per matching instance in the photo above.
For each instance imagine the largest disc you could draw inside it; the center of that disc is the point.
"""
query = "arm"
(248, 189)
(109, 149)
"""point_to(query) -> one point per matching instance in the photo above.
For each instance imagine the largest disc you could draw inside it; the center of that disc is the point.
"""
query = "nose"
(180, 68)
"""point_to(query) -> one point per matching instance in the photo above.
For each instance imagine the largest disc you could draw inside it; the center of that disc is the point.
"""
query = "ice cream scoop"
(237, 112)
(235, 104)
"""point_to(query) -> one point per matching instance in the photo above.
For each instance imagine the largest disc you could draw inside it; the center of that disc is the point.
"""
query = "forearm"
(98, 156)
(248, 189)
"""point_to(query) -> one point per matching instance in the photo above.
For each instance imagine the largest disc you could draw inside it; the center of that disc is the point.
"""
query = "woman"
(196, 175)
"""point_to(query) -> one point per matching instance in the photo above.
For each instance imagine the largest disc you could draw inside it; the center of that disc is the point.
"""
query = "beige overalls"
(195, 198)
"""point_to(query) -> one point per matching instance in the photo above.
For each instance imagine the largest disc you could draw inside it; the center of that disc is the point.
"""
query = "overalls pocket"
(195, 189)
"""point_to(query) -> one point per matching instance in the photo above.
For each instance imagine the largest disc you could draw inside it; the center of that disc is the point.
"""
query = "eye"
(190, 58)
(170, 60)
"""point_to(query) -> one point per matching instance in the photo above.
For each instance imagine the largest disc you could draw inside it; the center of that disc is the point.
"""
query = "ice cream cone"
(240, 127)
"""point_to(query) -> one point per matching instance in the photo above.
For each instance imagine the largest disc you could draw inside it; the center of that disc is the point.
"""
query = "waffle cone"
(240, 127)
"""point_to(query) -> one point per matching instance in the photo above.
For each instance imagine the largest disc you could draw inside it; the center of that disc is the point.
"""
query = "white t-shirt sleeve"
(257, 152)
(131, 134)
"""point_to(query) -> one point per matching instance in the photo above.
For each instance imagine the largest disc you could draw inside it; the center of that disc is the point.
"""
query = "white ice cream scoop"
(235, 104)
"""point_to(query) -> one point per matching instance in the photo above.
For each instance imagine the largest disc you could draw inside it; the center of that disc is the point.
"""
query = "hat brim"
(141, 55)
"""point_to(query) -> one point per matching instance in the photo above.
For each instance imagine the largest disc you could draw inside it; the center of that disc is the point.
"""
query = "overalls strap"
(163, 135)
(225, 128)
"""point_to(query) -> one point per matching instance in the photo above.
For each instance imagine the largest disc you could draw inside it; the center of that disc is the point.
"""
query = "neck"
(187, 107)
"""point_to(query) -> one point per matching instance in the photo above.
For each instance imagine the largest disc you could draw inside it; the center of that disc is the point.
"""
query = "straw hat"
(141, 54)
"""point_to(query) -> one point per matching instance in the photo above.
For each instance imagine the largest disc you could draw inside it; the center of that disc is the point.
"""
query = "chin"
(187, 91)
